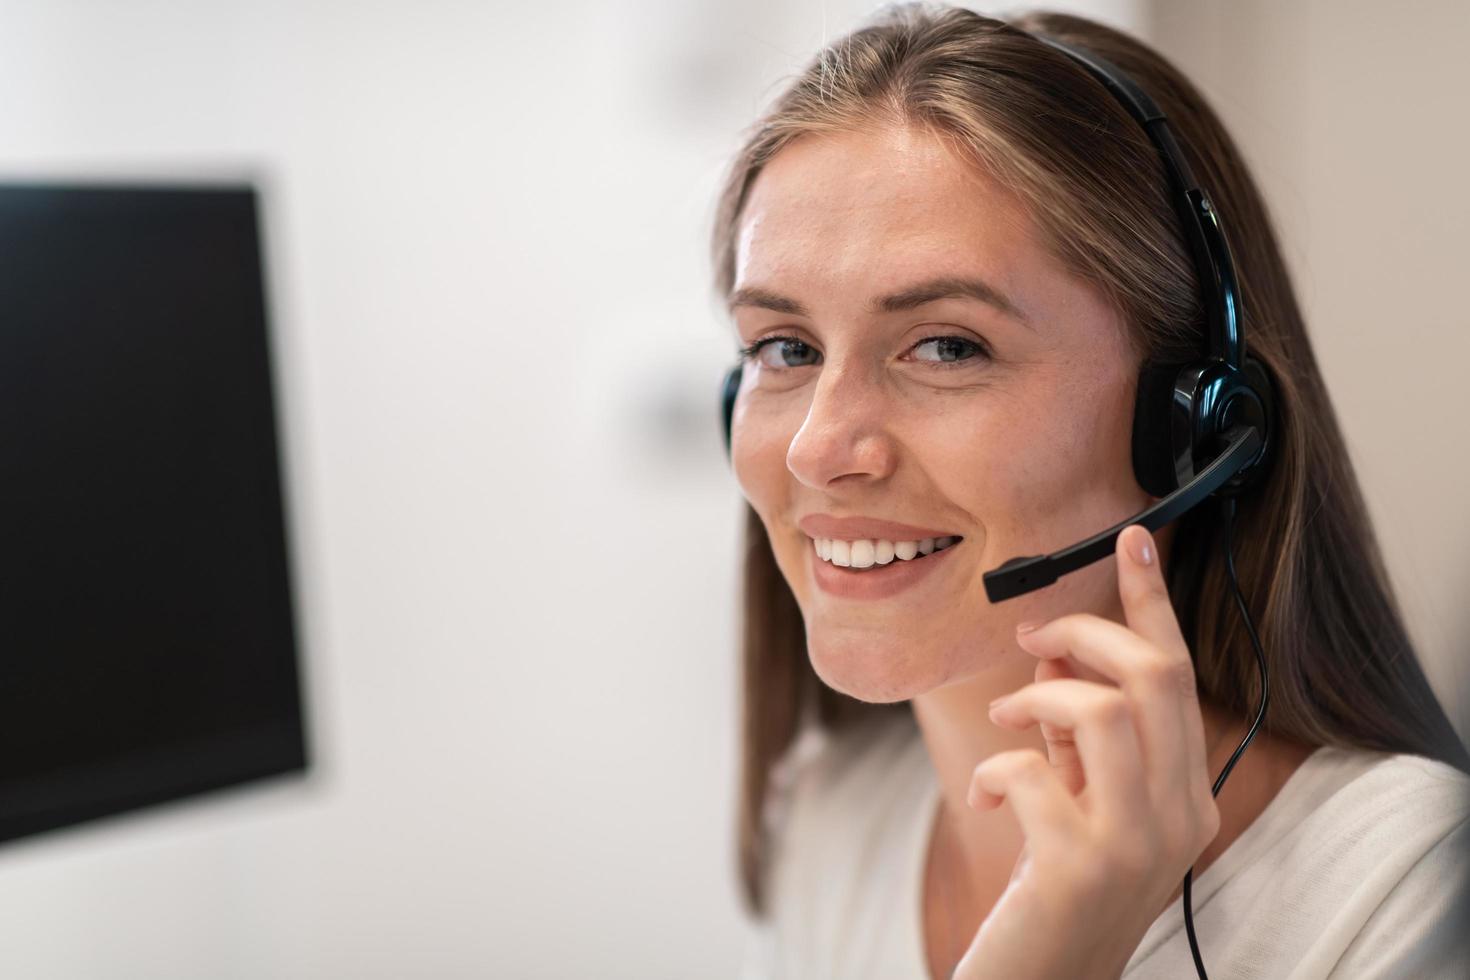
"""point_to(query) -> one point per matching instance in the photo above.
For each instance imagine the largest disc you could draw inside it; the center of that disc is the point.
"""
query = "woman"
(949, 253)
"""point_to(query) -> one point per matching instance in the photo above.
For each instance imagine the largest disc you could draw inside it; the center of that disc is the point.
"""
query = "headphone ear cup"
(1253, 403)
(1153, 450)
(728, 391)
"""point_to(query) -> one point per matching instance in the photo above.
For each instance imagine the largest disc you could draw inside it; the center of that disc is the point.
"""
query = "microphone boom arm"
(1028, 573)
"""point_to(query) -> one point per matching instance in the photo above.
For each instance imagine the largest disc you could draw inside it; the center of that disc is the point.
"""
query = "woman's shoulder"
(1396, 851)
(1404, 769)
(1348, 810)
(1389, 793)
(1355, 869)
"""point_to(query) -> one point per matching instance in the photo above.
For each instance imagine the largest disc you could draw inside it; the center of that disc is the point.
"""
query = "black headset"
(1202, 430)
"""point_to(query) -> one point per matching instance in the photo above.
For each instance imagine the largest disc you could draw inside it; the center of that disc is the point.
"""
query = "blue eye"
(787, 349)
(791, 352)
(951, 350)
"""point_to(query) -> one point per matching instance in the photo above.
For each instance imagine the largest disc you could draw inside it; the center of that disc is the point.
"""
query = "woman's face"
(904, 396)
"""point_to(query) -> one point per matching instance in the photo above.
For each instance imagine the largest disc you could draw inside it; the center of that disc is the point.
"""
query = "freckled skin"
(1020, 454)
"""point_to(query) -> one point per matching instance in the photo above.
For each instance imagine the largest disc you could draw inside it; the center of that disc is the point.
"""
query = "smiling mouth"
(866, 554)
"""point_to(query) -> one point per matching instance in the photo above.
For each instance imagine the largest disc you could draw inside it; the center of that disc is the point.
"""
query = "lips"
(877, 581)
(866, 553)
(855, 527)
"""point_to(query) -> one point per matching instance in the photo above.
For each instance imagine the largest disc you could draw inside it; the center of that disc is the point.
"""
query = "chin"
(874, 669)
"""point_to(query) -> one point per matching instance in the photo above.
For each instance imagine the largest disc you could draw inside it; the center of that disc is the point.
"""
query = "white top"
(1349, 873)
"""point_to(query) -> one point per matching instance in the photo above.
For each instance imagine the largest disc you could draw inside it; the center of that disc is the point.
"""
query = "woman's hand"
(1120, 809)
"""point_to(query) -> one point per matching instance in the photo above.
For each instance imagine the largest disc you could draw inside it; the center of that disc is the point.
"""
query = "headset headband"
(1197, 214)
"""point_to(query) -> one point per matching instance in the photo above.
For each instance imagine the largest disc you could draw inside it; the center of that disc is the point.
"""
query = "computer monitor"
(148, 643)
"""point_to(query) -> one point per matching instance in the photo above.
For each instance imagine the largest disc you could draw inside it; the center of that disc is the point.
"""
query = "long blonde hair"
(1343, 670)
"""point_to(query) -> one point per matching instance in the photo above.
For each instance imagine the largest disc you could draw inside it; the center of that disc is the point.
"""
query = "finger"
(1145, 593)
(1046, 811)
(1061, 747)
(1107, 647)
(1150, 613)
(1167, 718)
(1103, 724)
(1066, 665)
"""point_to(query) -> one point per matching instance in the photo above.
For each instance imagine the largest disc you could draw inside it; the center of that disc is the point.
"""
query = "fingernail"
(999, 701)
(1140, 547)
(1027, 626)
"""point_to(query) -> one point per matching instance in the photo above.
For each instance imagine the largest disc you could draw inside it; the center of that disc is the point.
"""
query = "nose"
(843, 436)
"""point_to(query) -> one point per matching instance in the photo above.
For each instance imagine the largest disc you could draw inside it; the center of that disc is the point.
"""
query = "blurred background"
(512, 531)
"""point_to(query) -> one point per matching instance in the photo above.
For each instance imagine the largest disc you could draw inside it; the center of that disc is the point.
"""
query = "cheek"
(759, 443)
(1019, 464)
(1074, 475)
(761, 436)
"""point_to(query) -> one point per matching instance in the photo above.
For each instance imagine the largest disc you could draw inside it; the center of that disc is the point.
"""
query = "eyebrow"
(944, 287)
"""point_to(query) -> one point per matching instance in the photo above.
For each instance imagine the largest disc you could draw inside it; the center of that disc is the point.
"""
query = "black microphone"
(1031, 572)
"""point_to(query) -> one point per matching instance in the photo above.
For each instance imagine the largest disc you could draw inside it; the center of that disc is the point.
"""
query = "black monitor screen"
(147, 642)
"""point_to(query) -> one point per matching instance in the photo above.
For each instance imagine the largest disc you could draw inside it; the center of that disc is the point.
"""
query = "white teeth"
(867, 552)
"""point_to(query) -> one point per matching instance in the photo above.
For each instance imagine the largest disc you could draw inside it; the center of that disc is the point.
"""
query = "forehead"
(882, 205)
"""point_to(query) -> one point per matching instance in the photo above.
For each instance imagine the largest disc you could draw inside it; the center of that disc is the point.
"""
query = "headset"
(1202, 430)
